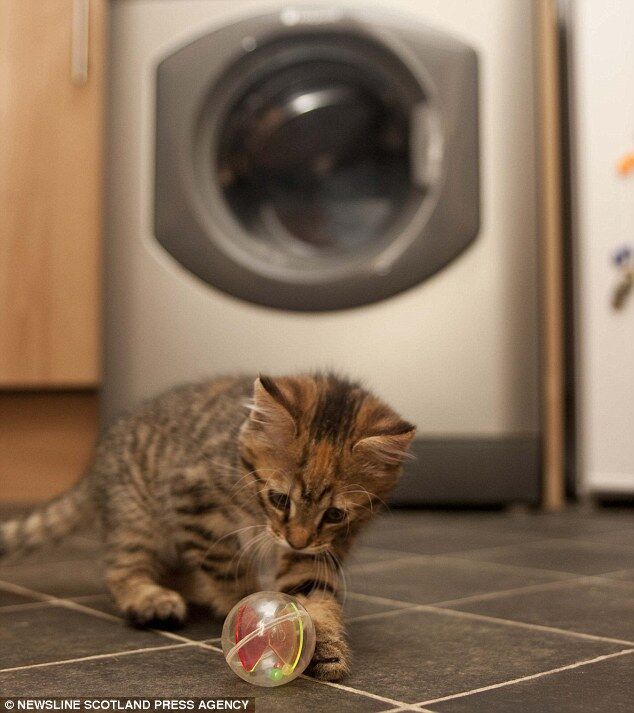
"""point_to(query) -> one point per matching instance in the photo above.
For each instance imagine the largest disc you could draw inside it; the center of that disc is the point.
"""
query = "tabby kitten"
(192, 488)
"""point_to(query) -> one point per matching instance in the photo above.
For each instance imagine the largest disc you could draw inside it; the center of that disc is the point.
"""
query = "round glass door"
(315, 159)
(313, 153)
(316, 166)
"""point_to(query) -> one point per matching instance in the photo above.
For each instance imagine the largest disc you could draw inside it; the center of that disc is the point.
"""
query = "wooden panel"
(50, 196)
(551, 234)
(45, 442)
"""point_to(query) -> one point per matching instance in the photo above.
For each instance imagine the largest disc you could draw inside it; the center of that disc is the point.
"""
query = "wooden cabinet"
(51, 129)
(46, 441)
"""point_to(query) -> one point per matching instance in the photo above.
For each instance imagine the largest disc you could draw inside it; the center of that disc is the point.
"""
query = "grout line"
(466, 554)
(365, 567)
(72, 604)
(562, 574)
(434, 608)
(332, 684)
(381, 614)
(502, 548)
(75, 606)
(616, 572)
(555, 573)
(41, 604)
(567, 539)
(94, 657)
(184, 641)
(530, 677)
(405, 606)
(452, 553)
(374, 599)
(565, 577)
(556, 584)
(608, 579)
(450, 557)
(524, 625)
(207, 645)
(537, 540)
(340, 686)
(50, 599)
(410, 707)
(357, 691)
(581, 540)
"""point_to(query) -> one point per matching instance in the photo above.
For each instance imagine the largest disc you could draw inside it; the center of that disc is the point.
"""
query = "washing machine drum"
(316, 168)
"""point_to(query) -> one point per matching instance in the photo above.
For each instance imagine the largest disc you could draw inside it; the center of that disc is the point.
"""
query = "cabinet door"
(51, 126)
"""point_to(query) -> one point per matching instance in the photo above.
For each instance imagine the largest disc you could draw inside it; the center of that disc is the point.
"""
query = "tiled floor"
(460, 611)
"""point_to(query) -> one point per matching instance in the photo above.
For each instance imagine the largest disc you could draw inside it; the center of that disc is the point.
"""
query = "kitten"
(194, 481)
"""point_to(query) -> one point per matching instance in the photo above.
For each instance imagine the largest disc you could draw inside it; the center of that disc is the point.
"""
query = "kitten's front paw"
(158, 608)
(330, 661)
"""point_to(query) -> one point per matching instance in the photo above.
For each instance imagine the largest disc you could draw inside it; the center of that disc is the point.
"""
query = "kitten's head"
(323, 454)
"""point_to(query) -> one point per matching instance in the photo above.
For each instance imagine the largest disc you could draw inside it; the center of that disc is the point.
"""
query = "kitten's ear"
(271, 408)
(389, 446)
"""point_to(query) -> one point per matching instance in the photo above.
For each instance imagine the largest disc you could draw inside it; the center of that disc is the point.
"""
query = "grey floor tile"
(575, 521)
(436, 532)
(72, 578)
(430, 580)
(563, 556)
(620, 536)
(409, 655)
(356, 606)
(180, 672)
(444, 538)
(52, 633)
(399, 517)
(603, 687)
(360, 556)
(416, 655)
(9, 598)
(600, 608)
(200, 624)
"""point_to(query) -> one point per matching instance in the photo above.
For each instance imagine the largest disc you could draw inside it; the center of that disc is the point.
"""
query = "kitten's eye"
(334, 515)
(279, 501)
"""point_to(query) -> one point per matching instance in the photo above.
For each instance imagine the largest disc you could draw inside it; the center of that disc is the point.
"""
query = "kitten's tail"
(47, 523)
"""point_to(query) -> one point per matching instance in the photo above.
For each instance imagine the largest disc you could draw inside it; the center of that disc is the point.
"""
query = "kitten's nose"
(298, 538)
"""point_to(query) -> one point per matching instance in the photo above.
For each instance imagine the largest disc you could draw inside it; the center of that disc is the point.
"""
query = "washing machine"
(333, 186)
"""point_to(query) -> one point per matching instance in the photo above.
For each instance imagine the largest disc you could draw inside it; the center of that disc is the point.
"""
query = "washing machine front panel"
(456, 354)
(324, 171)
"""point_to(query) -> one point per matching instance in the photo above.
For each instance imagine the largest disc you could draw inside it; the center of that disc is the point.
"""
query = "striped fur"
(47, 524)
(200, 486)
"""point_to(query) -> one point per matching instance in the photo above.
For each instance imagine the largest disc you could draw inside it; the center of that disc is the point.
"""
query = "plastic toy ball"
(268, 638)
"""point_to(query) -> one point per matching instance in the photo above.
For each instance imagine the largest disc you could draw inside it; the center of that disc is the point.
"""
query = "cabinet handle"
(79, 42)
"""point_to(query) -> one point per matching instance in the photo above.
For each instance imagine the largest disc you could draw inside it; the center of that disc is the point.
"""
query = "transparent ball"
(268, 638)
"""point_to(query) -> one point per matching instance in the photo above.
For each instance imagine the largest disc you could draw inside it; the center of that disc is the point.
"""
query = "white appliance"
(406, 257)
(602, 113)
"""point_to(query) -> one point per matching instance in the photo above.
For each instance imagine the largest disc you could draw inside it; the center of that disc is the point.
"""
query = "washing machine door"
(314, 162)
(312, 167)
